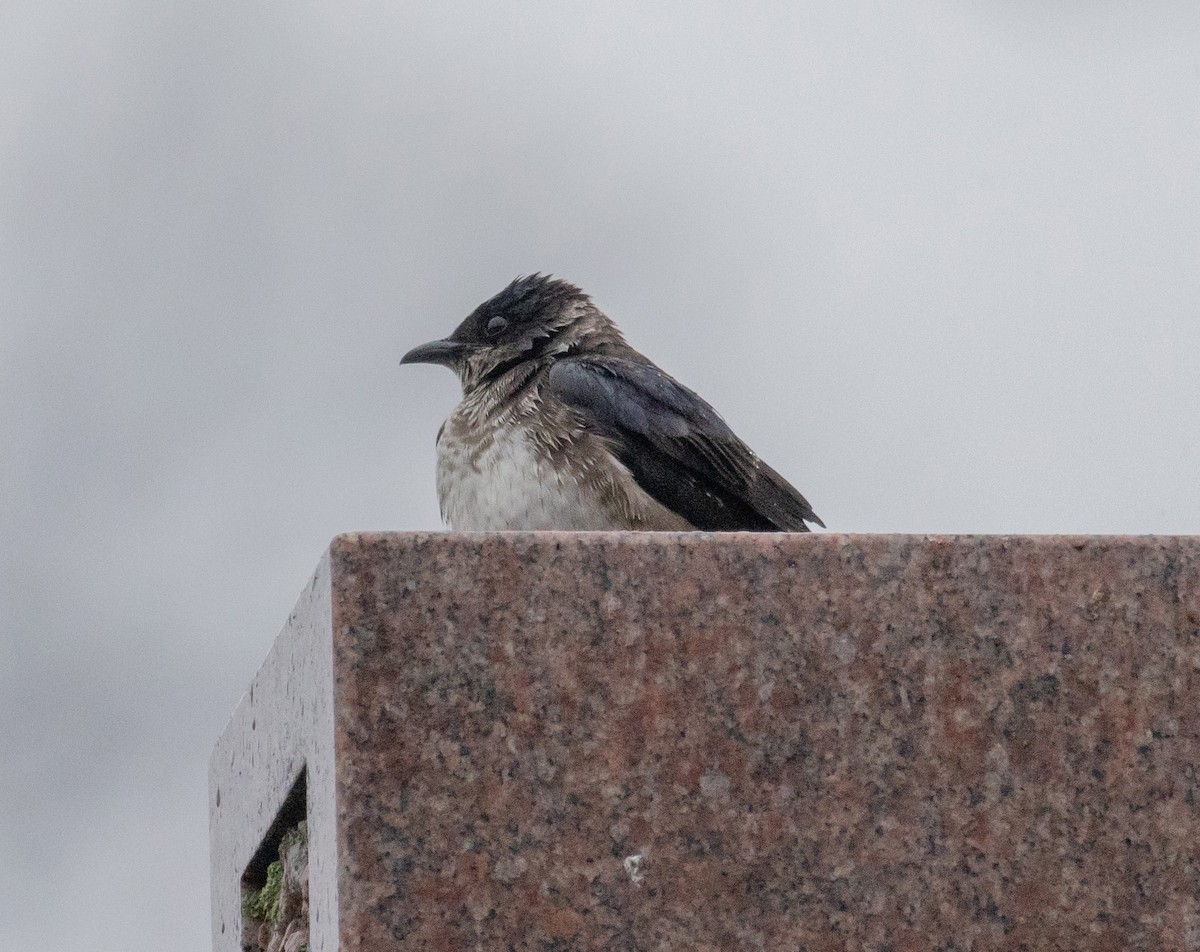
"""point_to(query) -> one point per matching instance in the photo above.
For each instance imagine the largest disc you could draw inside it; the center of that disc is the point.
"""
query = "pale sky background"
(938, 262)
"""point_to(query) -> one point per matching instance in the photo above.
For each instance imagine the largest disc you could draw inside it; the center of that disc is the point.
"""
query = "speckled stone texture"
(779, 742)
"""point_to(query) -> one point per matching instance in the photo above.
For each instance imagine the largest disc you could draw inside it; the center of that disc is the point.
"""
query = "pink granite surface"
(658, 741)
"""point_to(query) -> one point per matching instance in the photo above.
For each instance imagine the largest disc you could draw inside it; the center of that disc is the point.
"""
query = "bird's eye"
(496, 325)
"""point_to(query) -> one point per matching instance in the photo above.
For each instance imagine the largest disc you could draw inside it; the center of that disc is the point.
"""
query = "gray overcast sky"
(938, 262)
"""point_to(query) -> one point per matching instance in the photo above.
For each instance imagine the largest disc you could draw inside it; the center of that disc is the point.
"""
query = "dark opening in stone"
(275, 882)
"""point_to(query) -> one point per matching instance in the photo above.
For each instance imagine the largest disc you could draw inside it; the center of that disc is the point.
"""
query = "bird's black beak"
(445, 352)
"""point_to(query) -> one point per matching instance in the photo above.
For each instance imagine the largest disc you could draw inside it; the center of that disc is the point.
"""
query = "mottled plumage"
(563, 425)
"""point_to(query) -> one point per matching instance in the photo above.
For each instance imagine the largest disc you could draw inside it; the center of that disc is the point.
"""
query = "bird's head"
(533, 320)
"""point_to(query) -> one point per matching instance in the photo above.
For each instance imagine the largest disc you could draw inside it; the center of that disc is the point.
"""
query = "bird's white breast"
(503, 482)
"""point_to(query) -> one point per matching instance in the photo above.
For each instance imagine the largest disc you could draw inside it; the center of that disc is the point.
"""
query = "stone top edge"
(354, 541)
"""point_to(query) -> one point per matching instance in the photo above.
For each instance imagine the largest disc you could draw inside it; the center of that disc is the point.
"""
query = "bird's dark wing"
(677, 447)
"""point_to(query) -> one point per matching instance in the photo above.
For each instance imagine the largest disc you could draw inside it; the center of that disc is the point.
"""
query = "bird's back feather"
(676, 446)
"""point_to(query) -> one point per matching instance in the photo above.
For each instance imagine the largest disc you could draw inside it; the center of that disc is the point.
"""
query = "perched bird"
(563, 425)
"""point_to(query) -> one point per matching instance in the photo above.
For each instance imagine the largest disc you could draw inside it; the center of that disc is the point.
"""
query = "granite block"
(653, 741)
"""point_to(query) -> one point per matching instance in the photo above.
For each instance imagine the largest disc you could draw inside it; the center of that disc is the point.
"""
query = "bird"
(565, 426)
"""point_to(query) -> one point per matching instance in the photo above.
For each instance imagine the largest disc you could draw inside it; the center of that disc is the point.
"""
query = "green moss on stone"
(263, 904)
